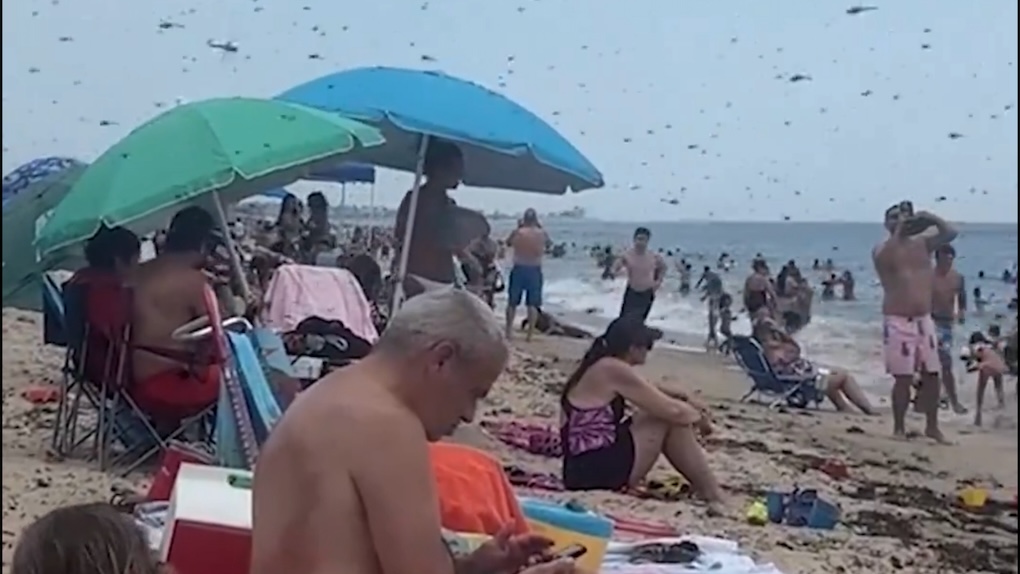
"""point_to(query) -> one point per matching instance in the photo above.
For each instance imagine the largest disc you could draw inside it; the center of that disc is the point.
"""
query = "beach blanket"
(297, 292)
(716, 555)
(474, 493)
(533, 438)
(525, 478)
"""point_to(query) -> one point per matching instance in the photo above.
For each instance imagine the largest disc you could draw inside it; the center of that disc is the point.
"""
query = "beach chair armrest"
(200, 328)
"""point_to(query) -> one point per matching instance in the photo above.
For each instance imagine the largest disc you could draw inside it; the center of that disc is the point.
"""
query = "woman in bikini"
(784, 355)
(607, 448)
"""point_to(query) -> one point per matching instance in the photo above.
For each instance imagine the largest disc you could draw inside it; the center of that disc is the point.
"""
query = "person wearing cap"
(903, 263)
(948, 309)
(607, 448)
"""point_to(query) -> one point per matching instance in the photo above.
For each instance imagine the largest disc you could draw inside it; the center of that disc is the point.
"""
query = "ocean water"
(844, 334)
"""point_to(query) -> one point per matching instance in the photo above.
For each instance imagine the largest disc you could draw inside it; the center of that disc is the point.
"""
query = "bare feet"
(959, 409)
(716, 509)
(905, 435)
(937, 436)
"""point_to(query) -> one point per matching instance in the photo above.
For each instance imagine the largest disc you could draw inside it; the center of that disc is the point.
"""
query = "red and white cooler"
(208, 528)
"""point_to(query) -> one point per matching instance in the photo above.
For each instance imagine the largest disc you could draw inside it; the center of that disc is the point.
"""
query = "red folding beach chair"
(98, 319)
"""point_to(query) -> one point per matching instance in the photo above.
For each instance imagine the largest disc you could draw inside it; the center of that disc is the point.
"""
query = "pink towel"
(534, 438)
(297, 292)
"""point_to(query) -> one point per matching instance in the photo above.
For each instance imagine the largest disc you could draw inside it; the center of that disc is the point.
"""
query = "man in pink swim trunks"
(904, 266)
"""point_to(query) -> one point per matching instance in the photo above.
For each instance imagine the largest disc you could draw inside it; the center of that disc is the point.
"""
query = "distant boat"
(575, 213)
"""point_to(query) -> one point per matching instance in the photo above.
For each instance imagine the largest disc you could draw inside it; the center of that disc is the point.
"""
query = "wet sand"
(898, 503)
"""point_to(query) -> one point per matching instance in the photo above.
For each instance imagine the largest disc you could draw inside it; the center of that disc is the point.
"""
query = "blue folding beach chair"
(797, 392)
(248, 409)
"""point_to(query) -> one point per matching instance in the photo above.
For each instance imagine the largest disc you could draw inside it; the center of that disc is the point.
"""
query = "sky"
(689, 108)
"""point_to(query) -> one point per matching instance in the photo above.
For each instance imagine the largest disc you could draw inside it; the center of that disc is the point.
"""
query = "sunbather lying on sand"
(85, 539)
(344, 484)
(604, 448)
(784, 354)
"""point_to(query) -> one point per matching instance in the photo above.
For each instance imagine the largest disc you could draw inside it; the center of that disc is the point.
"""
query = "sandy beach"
(899, 513)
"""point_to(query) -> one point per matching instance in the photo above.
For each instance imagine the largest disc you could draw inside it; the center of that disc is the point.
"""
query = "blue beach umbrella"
(505, 146)
(32, 173)
(30, 193)
(278, 193)
(343, 174)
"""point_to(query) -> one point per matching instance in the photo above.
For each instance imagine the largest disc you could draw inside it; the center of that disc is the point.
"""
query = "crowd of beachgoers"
(624, 428)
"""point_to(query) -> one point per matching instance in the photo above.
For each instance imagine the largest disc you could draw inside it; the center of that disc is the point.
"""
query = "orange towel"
(475, 495)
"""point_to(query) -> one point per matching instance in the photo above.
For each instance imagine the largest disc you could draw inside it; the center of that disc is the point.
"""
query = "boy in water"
(725, 322)
(685, 277)
(719, 315)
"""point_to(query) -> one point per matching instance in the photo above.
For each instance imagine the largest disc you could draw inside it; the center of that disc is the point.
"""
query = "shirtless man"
(904, 267)
(758, 282)
(528, 243)
(344, 484)
(948, 307)
(173, 379)
(645, 272)
(432, 246)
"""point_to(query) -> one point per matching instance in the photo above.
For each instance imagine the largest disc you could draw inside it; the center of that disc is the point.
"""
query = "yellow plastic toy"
(973, 497)
(757, 513)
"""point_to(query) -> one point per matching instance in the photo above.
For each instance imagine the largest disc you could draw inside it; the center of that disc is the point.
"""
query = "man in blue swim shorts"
(528, 242)
(949, 306)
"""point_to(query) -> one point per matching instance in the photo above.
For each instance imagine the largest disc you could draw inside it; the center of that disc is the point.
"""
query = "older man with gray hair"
(344, 484)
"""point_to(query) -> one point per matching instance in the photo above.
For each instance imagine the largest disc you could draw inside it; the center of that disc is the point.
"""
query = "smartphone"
(906, 208)
(574, 551)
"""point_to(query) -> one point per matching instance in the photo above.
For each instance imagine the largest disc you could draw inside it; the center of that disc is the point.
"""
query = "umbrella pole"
(235, 258)
(412, 211)
(371, 216)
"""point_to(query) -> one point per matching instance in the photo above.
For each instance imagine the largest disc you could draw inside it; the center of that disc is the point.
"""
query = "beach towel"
(475, 495)
(297, 292)
(525, 478)
(533, 438)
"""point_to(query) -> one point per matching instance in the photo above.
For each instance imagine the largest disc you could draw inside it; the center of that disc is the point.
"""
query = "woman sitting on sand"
(85, 539)
(784, 355)
(604, 448)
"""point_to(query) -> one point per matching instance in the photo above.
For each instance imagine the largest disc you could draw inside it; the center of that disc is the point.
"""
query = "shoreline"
(876, 389)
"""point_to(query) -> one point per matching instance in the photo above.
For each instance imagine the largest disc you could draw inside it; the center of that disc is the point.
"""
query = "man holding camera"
(910, 340)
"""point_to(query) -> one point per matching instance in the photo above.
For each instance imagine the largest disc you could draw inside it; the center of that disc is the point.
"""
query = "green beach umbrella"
(228, 149)
(43, 183)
